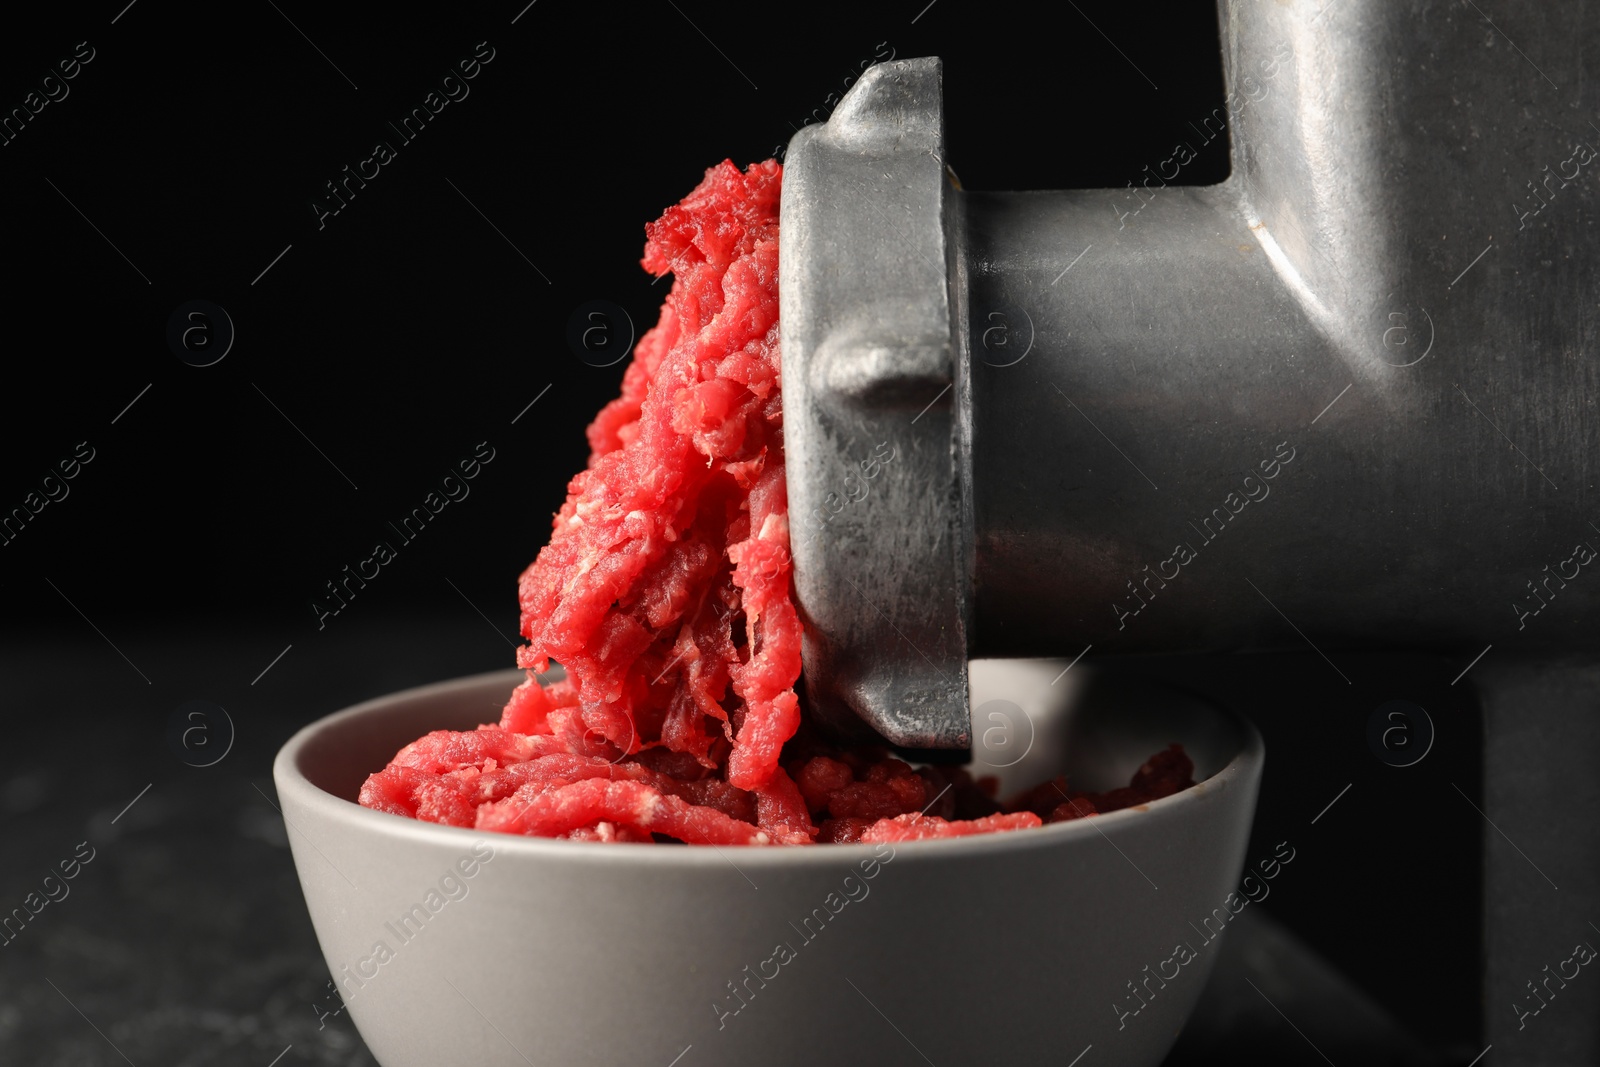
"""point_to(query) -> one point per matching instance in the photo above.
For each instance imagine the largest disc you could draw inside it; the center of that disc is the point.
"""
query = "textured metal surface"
(1206, 330)
(1358, 312)
(1344, 399)
(867, 357)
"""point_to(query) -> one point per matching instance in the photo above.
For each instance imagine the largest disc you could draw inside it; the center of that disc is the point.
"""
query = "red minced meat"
(665, 594)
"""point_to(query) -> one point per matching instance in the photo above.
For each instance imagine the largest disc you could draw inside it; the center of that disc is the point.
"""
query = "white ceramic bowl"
(454, 947)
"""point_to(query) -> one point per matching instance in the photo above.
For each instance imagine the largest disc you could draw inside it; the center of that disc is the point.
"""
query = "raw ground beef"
(664, 592)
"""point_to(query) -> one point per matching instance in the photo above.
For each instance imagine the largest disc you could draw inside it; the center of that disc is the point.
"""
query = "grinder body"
(1344, 399)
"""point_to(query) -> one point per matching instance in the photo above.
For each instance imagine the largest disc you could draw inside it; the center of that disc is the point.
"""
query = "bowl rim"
(1245, 765)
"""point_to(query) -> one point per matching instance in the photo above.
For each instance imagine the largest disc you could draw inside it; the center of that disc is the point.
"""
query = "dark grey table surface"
(185, 939)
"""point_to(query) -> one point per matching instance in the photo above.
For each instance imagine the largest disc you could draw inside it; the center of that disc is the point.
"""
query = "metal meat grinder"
(1028, 423)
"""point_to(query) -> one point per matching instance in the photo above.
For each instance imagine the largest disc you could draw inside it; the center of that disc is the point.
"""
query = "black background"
(410, 327)
(407, 329)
